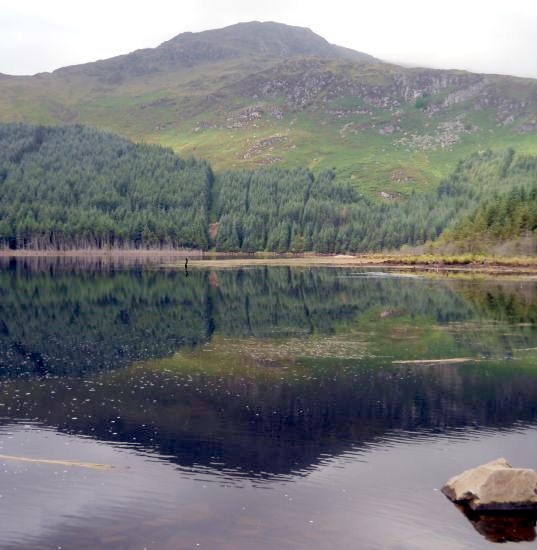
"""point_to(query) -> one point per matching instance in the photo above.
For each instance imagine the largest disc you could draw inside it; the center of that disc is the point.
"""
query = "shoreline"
(463, 264)
(493, 269)
(97, 253)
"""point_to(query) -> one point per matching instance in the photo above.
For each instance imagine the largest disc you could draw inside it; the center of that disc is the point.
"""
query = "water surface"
(261, 407)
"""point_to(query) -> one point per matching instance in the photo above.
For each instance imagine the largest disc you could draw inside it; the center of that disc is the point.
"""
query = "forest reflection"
(264, 371)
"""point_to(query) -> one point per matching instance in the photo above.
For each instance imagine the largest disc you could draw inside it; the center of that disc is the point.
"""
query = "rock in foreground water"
(494, 486)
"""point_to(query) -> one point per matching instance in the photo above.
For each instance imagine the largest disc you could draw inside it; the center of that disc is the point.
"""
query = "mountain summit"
(253, 45)
(267, 40)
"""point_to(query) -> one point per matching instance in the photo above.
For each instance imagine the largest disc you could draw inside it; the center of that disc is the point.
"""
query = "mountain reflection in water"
(261, 372)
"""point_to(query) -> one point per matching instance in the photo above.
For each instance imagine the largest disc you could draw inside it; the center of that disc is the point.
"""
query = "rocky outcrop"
(445, 136)
(494, 486)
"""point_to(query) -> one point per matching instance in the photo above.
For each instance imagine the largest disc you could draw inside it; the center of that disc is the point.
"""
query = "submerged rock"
(494, 486)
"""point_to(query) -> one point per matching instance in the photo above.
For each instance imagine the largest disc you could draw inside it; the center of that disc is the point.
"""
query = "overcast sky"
(478, 35)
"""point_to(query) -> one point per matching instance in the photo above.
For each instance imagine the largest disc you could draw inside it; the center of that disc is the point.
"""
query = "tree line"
(502, 216)
(75, 187)
(292, 210)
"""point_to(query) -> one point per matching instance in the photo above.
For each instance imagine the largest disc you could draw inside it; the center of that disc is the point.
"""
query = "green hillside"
(506, 219)
(265, 94)
(279, 210)
(73, 187)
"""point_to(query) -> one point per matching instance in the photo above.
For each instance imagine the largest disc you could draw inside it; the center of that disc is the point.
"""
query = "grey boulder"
(494, 486)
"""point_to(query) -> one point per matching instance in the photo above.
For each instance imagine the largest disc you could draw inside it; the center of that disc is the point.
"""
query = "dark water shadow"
(501, 527)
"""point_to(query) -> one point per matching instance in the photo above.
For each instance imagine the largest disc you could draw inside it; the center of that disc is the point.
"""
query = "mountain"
(243, 47)
(262, 94)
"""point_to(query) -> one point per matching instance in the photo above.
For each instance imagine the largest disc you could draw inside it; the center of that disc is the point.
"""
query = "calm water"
(257, 408)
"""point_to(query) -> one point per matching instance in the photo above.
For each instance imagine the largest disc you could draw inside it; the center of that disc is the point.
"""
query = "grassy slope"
(369, 160)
